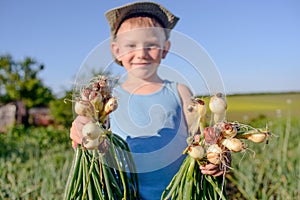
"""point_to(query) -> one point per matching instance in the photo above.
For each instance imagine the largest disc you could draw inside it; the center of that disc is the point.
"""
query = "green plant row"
(272, 172)
(35, 163)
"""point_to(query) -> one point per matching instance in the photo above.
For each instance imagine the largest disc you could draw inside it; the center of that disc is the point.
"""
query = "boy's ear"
(115, 50)
(166, 48)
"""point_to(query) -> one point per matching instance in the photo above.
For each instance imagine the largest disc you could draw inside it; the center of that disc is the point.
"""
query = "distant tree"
(61, 110)
(19, 81)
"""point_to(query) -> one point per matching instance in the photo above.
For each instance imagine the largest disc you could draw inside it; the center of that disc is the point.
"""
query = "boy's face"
(140, 49)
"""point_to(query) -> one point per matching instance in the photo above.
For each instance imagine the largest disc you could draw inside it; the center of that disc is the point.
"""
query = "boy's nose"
(142, 52)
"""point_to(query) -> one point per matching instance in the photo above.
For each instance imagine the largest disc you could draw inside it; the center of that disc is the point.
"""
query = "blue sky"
(254, 44)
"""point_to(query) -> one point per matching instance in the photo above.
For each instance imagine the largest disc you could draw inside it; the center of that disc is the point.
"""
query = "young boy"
(150, 115)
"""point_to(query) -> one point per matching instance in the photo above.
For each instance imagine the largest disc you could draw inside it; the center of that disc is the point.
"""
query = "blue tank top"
(154, 127)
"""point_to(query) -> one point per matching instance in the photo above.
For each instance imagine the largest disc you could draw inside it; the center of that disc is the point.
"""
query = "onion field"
(35, 161)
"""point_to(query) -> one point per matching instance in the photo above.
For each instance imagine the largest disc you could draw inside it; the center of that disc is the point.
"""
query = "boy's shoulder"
(182, 88)
(185, 94)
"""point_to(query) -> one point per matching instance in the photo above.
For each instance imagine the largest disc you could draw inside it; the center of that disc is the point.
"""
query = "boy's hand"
(217, 170)
(76, 129)
(212, 169)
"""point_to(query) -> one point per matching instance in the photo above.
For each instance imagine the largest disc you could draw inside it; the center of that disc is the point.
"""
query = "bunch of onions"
(215, 145)
(189, 182)
(103, 167)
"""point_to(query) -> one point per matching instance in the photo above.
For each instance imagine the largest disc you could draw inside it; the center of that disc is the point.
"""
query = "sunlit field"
(248, 107)
(34, 162)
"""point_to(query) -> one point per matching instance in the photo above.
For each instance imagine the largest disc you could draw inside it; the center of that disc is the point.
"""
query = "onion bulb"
(233, 144)
(214, 154)
(218, 106)
(196, 114)
(83, 108)
(196, 152)
(90, 144)
(257, 138)
(92, 131)
(110, 105)
(228, 130)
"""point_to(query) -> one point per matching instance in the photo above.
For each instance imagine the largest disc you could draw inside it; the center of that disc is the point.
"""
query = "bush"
(62, 111)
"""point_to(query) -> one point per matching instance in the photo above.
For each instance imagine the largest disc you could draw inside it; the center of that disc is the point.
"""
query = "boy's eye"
(152, 46)
(131, 46)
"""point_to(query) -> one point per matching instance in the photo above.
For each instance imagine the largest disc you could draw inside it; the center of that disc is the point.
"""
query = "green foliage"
(34, 163)
(19, 81)
(269, 171)
(61, 110)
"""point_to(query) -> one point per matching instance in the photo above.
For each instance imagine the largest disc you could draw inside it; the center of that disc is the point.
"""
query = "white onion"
(90, 144)
(92, 130)
(83, 108)
(257, 138)
(233, 144)
(196, 152)
(214, 154)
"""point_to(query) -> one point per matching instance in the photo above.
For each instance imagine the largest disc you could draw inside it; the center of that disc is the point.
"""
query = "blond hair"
(140, 21)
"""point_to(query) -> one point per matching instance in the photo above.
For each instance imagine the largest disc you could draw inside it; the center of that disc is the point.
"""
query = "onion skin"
(214, 158)
(233, 144)
(256, 135)
(218, 106)
(200, 107)
(110, 106)
(97, 103)
(196, 114)
(214, 154)
(93, 94)
(103, 144)
(210, 135)
(92, 131)
(196, 152)
(257, 138)
(83, 108)
(228, 130)
(89, 143)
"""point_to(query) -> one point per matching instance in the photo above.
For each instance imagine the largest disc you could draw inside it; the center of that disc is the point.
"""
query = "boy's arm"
(185, 96)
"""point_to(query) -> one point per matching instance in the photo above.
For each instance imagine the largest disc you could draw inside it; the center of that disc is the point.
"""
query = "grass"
(35, 162)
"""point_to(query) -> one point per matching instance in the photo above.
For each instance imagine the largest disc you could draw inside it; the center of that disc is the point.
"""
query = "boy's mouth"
(143, 64)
